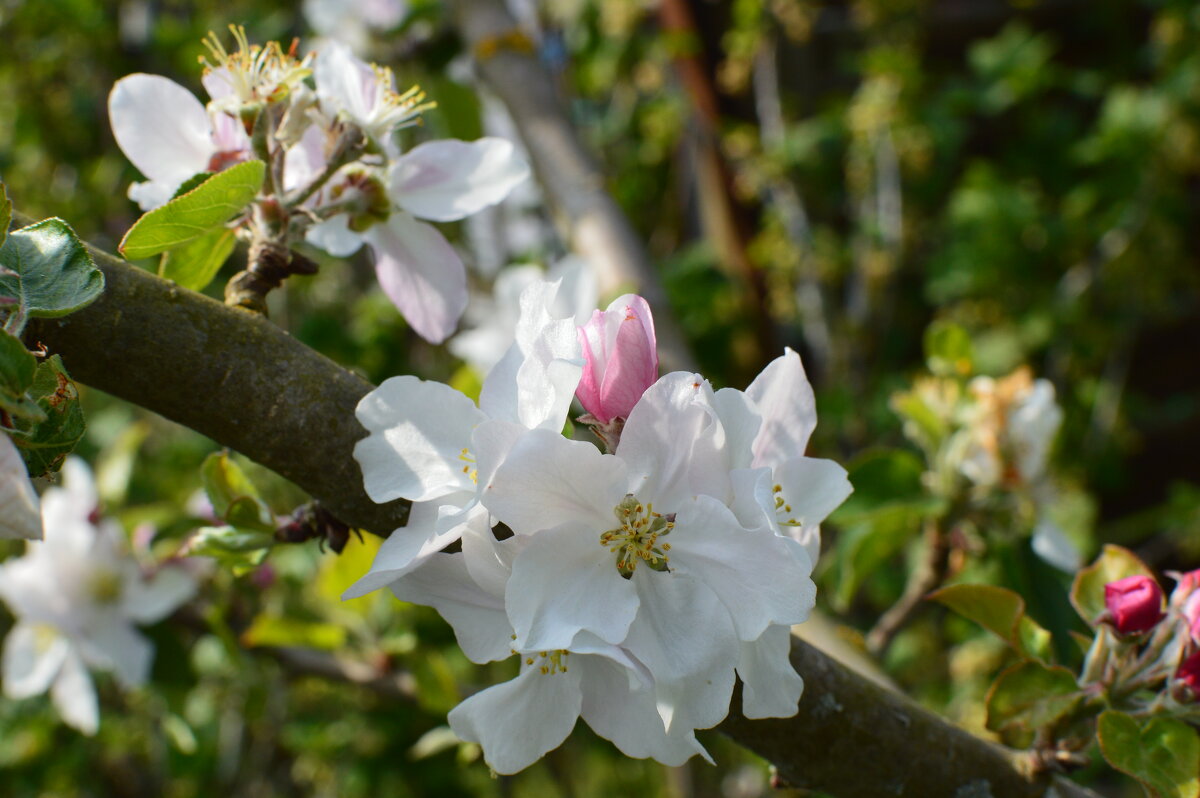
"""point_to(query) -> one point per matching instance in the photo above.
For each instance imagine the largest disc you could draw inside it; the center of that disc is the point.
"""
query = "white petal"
(431, 527)
(548, 481)
(1051, 543)
(161, 127)
(674, 443)
(693, 672)
(335, 236)
(448, 179)
(789, 410)
(518, 721)
(75, 697)
(421, 273)
(564, 582)
(345, 83)
(812, 488)
(742, 422)
(33, 656)
(20, 516)
(627, 715)
(771, 687)
(111, 642)
(534, 382)
(151, 600)
(152, 193)
(476, 615)
(491, 442)
(761, 579)
(418, 431)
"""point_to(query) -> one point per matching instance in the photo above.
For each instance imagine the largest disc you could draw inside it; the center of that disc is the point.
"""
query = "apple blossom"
(432, 445)
(1134, 603)
(1185, 599)
(620, 358)
(77, 596)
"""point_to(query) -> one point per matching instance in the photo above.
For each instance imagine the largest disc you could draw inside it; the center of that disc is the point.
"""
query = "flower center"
(469, 461)
(784, 510)
(549, 662)
(636, 539)
(105, 586)
(256, 73)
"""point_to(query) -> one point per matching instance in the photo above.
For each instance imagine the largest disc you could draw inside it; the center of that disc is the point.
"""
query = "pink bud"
(620, 358)
(1189, 673)
(1135, 603)
(1186, 599)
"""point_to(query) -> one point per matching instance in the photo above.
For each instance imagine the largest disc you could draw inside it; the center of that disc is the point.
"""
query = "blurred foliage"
(1029, 174)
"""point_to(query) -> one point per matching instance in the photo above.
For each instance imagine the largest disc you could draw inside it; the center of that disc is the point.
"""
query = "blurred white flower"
(353, 21)
(19, 517)
(77, 597)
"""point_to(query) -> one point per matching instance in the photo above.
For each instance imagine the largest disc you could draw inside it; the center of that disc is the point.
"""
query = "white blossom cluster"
(633, 585)
(325, 124)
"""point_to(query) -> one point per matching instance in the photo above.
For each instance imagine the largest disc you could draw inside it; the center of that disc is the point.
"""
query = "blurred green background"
(832, 177)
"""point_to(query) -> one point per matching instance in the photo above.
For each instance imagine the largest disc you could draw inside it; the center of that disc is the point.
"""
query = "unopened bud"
(620, 358)
(1134, 603)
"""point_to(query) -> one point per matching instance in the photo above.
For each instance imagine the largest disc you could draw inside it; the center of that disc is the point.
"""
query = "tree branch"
(237, 378)
(585, 213)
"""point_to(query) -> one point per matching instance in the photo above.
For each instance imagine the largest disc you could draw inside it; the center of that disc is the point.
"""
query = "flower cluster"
(325, 126)
(1169, 637)
(634, 584)
(77, 596)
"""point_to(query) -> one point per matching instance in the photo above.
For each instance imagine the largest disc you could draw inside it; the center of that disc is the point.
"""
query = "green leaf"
(45, 444)
(274, 630)
(1163, 754)
(192, 182)
(948, 350)
(1087, 591)
(194, 264)
(881, 477)
(17, 365)
(868, 545)
(206, 207)
(1030, 696)
(53, 274)
(225, 482)
(240, 550)
(1001, 611)
(246, 512)
(5, 214)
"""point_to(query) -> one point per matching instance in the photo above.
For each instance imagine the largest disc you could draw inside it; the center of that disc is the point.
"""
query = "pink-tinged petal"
(476, 615)
(304, 160)
(761, 579)
(75, 697)
(785, 399)
(548, 481)
(564, 582)
(674, 443)
(418, 431)
(33, 656)
(693, 673)
(431, 527)
(161, 127)
(20, 516)
(218, 83)
(150, 600)
(535, 380)
(344, 83)
(623, 711)
(448, 179)
(771, 688)
(519, 721)
(421, 273)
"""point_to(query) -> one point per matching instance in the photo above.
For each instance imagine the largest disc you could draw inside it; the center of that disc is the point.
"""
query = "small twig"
(927, 577)
(309, 662)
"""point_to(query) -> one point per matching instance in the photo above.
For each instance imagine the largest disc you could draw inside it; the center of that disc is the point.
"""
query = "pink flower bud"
(1135, 603)
(620, 358)
(1185, 598)
(1189, 674)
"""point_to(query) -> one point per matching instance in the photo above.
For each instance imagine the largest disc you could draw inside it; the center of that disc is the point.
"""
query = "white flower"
(641, 550)
(430, 444)
(169, 135)
(1013, 424)
(19, 516)
(364, 94)
(493, 319)
(520, 720)
(352, 21)
(77, 597)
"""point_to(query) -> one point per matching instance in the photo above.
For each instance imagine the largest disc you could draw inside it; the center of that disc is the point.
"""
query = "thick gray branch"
(245, 383)
(574, 185)
(227, 373)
